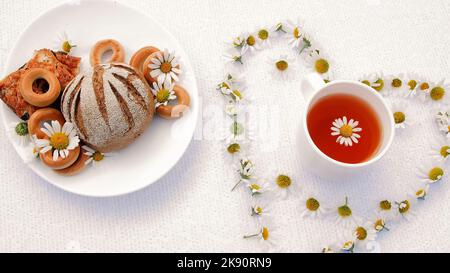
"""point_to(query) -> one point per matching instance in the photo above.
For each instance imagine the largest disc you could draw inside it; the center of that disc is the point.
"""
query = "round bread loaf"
(110, 105)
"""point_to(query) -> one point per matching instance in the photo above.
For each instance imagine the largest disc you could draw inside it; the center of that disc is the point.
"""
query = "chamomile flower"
(163, 92)
(250, 43)
(261, 207)
(60, 140)
(327, 249)
(283, 67)
(284, 185)
(317, 61)
(412, 82)
(279, 29)
(386, 209)
(165, 66)
(420, 192)
(245, 170)
(294, 33)
(237, 43)
(344, 215)
(405, 208)
(19, 132)
(268, 235)
(441, 150)
(380, 223)
(438, 93)
(396, 86)
(95, 157)
(63, 43)
(311, 207)
(423, 88)
(346, 131)
(234, 58)
(258, 186)
(33, 149)
(264, 36)
(377, 81)
(401, 114)
(364, 233)
(431, 172)
(347, 245)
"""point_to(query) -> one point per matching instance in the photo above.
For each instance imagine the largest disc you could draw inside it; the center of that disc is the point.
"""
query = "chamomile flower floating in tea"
(63, 43)
(19, 132)
(165, 67)
(401, 114)
(163, 92)
(346, 131)
(60, 140)
(431, 172)
(405, 208)
(311, 207)
(440, 151)
(95, 157)
(283, 67)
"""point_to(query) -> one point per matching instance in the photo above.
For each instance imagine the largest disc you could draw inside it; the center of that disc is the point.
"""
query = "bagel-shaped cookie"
(177, 110)
(75, 168)
(60, 163)
(39, 117)
(138, 58)
(103, 46)
(33, 98)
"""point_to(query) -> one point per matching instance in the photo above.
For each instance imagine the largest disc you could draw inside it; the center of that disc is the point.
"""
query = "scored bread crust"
(110, 106)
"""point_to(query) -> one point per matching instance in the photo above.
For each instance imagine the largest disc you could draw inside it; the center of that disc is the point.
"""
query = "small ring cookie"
(75, 168)
(60, 163)
(138, 59)
(39, 100)
(177, 110)
(103, 46)
(40, 116)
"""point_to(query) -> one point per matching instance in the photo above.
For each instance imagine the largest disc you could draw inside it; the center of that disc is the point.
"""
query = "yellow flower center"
(166, 67)
(344, 211)
(380, 85)
(258, 210)
(283, 181)
(399, 117)
(437, 93)
(66, 46)
(251, 41)
(385, 205)
(424, 86)
(263, 34)
(59, 141)
(255, 187)
(379, 224)
(404, 207)
(234, 148)
(346, 130)
(312, 204)
(225, 85)
(396, 83)
(97, 156)
(420, 193)
(412, 84)
(444, 151)
(282, 65)
(265, 233)
(322, 66)
(237, 94)
(296, 33)
(366, 82)
(361, 233)
(436, 173)
(162, 95)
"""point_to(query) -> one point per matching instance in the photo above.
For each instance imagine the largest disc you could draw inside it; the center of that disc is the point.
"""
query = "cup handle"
(310, 84)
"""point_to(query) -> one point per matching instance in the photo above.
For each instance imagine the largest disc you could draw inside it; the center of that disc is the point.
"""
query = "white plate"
(162, 145)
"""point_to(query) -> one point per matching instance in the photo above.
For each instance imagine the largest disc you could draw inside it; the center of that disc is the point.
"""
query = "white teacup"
(314, 88)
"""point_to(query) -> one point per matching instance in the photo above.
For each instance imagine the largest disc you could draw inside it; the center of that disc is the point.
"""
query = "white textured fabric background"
(192, 208)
